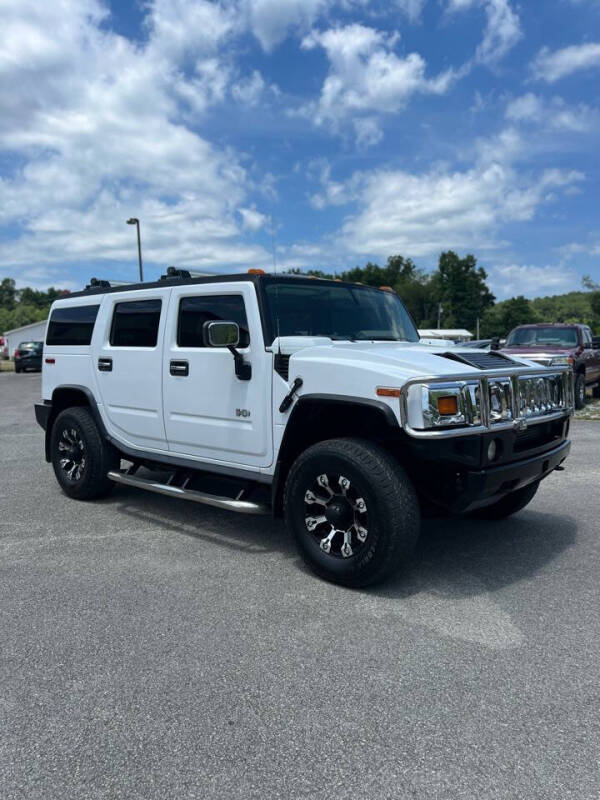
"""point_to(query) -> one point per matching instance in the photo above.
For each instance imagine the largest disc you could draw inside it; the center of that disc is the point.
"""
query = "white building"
(36, 332)
(455, 334)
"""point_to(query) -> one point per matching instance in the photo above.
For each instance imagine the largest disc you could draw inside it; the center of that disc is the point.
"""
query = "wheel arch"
(316, 417)
(68, 396)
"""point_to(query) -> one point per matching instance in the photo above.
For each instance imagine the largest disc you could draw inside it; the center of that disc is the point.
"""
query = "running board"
(228, 503)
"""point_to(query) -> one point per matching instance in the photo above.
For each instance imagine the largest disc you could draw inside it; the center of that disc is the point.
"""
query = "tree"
(502, 318)
(461, 289)
(8, 294)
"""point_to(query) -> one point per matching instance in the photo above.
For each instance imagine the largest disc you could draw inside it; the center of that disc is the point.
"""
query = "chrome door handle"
(105, 364)
(180, 369)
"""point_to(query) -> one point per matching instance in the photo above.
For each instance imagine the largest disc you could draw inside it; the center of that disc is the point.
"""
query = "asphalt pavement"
(151, 648)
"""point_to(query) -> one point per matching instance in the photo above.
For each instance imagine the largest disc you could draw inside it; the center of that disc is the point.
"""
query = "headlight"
(444, 405)
(560, 361)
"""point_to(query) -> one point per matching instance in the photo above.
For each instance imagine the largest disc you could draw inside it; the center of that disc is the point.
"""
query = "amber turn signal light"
(447, 405)
(384, 391)
(256, 272)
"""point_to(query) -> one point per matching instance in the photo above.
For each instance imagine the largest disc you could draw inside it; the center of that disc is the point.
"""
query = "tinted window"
(135, 324)
(587, 336)
(543, 337)
(195, 311)
(72, 325)
(339, 311)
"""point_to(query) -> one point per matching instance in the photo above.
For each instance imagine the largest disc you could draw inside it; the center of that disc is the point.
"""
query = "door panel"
(127, 363)
(209, 413)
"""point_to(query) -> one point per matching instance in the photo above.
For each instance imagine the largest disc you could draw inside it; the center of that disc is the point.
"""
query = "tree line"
(456, 293)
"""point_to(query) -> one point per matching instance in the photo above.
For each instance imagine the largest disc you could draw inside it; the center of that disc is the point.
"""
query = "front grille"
(539, 435)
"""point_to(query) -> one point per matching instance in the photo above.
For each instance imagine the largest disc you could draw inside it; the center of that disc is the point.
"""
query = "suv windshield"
(314, 308)
(542, 337)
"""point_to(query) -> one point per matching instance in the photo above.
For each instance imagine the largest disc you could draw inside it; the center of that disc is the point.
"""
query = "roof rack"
(96, 283)
(175, 274)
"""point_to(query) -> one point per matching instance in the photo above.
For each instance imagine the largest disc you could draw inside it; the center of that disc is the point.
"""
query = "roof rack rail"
(174, 274)
(96, 283)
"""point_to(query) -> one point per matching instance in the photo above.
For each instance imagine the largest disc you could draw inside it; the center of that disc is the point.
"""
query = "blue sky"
(331, 131)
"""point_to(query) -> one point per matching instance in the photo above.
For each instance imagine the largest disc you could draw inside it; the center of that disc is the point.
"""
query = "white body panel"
(210, 414)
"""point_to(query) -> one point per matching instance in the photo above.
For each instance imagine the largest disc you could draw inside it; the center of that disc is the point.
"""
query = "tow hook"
(559, 468)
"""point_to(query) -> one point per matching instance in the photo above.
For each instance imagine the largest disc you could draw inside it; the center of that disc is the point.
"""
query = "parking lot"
(156, 649)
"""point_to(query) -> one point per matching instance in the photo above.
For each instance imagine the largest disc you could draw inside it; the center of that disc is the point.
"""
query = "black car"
(28, 355)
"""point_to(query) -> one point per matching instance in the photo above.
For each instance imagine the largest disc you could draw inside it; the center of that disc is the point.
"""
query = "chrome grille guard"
(524, 396)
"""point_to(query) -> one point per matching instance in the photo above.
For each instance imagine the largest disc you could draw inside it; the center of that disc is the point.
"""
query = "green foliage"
(462, 290)
(503, 317)
(23, 306)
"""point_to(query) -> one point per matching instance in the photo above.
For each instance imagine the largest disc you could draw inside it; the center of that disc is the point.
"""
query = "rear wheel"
(352, 510)
(580, 390)
(81, 457)
(17, 369)
(509, 504)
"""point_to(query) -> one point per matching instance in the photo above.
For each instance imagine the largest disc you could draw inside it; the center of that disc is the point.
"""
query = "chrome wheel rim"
(336, 516)
(71, 450)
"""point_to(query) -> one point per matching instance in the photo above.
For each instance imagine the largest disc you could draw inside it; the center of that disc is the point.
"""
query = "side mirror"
(227, 334)
(221, 334)
(495, 343)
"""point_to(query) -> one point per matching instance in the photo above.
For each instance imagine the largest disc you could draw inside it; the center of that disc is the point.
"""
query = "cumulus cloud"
(554, 113)
(510, 280)
(96, 122)
(502, 29)
(422, 213)
(366, 76)
(551, 66)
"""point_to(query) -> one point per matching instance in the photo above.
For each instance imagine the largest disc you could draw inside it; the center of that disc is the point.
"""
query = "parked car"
(28, 355)
(560, 343)
(287, 395)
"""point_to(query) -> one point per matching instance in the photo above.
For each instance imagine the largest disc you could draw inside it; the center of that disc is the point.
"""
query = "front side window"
(135, 324)
(194, 312)
(71, 325)
(312, 308)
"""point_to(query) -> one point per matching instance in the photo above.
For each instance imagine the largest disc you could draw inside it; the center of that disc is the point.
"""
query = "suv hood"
(402, 360)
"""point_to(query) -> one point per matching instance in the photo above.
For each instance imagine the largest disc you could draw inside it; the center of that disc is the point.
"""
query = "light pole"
(135, 221)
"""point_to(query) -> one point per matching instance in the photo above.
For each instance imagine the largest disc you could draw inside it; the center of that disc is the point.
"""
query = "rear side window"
(71, 325)
(135, 324)
(195, 311)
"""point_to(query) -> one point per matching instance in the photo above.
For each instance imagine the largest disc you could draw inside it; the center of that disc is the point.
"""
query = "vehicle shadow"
(455, 557)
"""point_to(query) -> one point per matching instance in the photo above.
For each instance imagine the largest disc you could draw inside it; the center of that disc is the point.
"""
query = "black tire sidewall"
(579, 400)
(380, 553)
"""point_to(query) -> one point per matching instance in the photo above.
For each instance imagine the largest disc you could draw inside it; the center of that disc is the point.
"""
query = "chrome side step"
(228, 503)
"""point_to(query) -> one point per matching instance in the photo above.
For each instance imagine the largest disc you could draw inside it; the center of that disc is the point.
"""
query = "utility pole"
(477, 334)
(135, 221)
(440, 309)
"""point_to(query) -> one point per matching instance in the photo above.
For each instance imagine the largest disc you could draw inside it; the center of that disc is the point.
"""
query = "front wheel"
(580, 390)
(352, 510)
(81, 457)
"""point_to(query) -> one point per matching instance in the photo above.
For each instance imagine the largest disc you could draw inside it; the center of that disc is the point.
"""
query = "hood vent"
(481, 360)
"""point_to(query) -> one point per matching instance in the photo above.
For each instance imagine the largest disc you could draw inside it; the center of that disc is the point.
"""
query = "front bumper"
(481, 487)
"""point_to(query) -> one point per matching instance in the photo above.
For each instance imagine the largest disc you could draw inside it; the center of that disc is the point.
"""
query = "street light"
(135, 221)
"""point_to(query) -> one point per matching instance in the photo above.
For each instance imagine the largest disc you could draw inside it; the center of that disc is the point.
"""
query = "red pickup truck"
(560, 343)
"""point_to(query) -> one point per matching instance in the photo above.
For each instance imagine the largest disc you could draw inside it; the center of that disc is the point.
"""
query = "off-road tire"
(579, 393)
(509, 504)
(17, 370)
(100, 455)
(391, 501)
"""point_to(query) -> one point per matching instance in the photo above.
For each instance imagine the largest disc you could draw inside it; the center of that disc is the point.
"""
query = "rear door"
(210, 414)
(127, 360)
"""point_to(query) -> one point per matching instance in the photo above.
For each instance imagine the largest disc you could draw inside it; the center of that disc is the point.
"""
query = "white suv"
(307, 397)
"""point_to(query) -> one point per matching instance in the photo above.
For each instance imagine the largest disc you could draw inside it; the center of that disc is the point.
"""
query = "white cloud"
(252, 219)
(554, 113)
(272, 20)
(367, 76)
(96, 121)
(420, 214)
(502, 29)
(511, 280)
(552, 66)
(249, 91)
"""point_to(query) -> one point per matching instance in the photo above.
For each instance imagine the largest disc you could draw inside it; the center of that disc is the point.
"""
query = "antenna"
(274, 250)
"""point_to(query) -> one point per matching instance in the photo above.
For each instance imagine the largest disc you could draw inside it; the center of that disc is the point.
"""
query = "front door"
(128, 365)
(210, 414)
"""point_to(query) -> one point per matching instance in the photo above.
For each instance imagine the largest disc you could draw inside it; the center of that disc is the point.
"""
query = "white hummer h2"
(283, 394)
